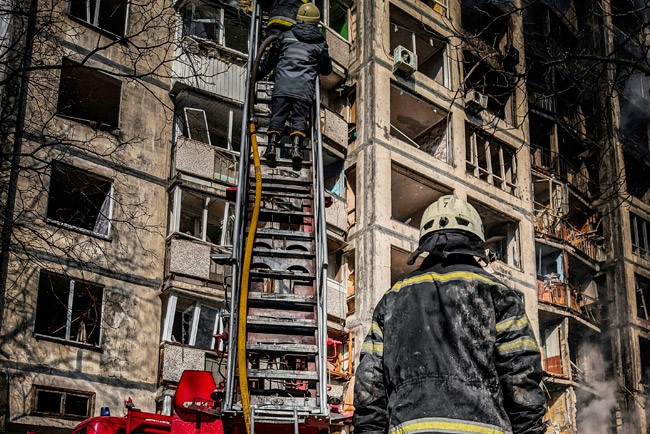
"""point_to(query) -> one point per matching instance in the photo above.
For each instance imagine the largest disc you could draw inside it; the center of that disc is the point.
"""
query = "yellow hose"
(242, 363)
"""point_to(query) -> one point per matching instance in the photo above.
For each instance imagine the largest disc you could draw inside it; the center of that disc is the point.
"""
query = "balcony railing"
(553, 163)
(550, 224)
(563, 295)
(206, 161)
(188, 256)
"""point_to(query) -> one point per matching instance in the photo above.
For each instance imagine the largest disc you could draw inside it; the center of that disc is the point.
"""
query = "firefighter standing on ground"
(299, 55)
(450, 348)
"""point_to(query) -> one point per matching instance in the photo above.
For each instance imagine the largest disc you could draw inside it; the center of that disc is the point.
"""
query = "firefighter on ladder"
(299, 55)
(450, 348)
(282, 14)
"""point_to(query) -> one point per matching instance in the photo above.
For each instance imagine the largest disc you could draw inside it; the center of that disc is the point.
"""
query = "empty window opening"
(555, 20)
(69, 309)
(636, 180)
(335, 14)
(496, 84)
(429, 47)
(398, 266)
(209, 120)
(411, 194)
(109, 15)
(419, 123)
(542, 137)
(559, 405)
(192, 322)
(226, 27)
(69, 404)
(487, 20)
(80, 199)
(491, 160)
(550, 204)
(540, 85)
(351, 196)
(628, 16)
(501, 235)
(644, 355)
(334, 174)
(642, 297)
(639, 230)
(89, 96)
(350, 259)
(203, 217)
(635, 117)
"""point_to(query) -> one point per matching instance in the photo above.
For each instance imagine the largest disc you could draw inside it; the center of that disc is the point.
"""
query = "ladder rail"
(321, 247)
(240, 207)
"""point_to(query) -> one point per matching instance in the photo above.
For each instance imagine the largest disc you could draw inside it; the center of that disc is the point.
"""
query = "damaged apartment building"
(130, 284)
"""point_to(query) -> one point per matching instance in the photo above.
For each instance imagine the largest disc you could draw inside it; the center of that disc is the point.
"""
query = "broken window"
(80, 199)
(209, 120)
(501, 235)
(635, 118)
(109, 15)
(637, 186)
(335, 14)
(487, 20)
(334, 174)
(488, 87)
(552, 349)
(351, 282)
(429, 47)
(644, 356)
(419, 123)
(54, 402)
(89, 96)
(642, 297)
(398, 266)
(491, 160)
(69, 309)
(351, 196)
(201, 216)
(639, 230)
(192, 322)
(550, 205)
(224, 26)
(411, 194)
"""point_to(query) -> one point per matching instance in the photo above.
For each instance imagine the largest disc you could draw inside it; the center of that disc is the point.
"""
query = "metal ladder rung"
(281, 253)
(284, 323)
(277, 298)
(282, 348)
(282, 234)
(280, 274)
(282, 374)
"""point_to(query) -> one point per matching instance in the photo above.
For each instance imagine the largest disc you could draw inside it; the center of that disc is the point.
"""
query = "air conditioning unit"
(475, 101)
(404, 60)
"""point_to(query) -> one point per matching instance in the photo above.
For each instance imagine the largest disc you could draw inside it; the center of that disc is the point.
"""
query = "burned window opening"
(491, 160)
(429, 47)
(224, 26)
(501, 235)
(496, 84)
(89, 96)
(487, 20)
(340, 354)
(108, 15)
(80, 199)
(69, 309)
(411, 194)
(552, 349)
(644, 356)
(350, 259)
(639, 228)
(642, 285)
(419, 123)
(191, 322)
(334, 174)
(63, 403)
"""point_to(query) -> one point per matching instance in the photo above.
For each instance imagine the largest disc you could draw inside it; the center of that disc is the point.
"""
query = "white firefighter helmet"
(450, 212)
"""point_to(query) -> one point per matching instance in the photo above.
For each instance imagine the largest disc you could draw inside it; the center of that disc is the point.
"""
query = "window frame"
(220, 23)
(196, 304)
(110, 196)
(68, 339)
(507, 179)
(325, 6)
(127, 16)
(64, 392)
(636, 237)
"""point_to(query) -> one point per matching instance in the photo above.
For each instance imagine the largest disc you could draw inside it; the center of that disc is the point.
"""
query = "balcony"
(553, 292)
(192, 258)
(206, 161)
(337, 214)
(334, 128)
(336, 299)
(177, 358)
(339, 51)
(551, 163)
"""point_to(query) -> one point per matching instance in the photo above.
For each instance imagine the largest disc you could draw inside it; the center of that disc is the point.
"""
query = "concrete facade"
(566, 216)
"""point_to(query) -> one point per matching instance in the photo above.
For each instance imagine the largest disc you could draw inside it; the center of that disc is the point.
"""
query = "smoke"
(595, 409)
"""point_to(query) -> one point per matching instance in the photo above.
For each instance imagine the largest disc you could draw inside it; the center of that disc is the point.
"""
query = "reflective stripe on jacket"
(450, 349)
(282, 12)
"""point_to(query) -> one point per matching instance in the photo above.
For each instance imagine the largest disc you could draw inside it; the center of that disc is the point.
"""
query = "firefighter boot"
(296, 150)
(271, 152)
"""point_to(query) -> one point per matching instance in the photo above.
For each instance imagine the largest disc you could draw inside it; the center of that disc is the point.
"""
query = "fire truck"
(276, 378)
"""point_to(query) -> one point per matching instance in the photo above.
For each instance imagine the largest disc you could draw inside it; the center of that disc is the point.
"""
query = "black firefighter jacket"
(299, 55)
(450, 350)
(282, 12)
